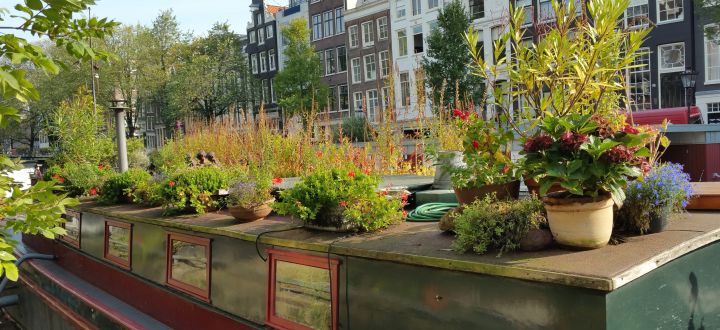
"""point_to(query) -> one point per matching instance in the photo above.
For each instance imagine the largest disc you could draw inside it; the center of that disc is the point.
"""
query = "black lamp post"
(688, 78)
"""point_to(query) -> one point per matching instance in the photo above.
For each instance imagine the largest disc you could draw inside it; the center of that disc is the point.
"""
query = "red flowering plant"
(486, 152)
(588, 155)
(340, 198)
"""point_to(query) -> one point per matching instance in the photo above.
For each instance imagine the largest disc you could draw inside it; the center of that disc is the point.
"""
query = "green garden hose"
(430, 212)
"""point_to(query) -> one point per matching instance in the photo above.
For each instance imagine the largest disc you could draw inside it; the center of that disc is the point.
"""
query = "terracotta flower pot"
(534, 187)
(250, 214)
(580, 222)
(510, 190)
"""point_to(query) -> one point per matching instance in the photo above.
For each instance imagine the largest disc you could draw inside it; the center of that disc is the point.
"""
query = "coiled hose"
(430, 212)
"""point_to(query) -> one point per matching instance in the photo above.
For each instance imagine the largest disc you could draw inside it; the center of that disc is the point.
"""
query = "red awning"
(673, 115)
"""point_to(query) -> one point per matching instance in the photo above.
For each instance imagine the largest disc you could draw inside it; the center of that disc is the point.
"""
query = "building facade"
(262, 53)
(369, 55)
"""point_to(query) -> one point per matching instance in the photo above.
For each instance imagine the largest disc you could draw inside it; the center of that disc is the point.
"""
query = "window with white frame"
(639, 81)
(358, 100)
(271, 59)
(713, 112)
(372, 104)
(329, 24)
(400, 13)
(270, 31)
(330, 61)
(385, 95)
(341, 59)
(384, 57)
(402, 42)
(370, 69)
(263, 61)
(712, 58)
(252, 36)
(382, 28)
(272, 91)
(316, 27)
(416, 7)
(258, 19)
(265, 90)
(546, 12)
(261, 37)
(253, 63)
(669, 10)
(527, 7)
(339, 21)
(368, 34)
(672, 57)
(671, 64)
(405, 88)
(355, 64)
(321, 56)
(432, 4)
(343, 100)
(353, 36)
(637, 16)
(332, 99)
(418, 40)
(477, 9)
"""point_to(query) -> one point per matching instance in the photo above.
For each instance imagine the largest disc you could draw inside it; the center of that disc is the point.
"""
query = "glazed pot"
(534, 187)
(659, 220)
(510, 190)
(580, 222)
(250, 214)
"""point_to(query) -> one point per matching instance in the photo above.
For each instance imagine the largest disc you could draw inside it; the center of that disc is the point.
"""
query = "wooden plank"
(707, 196)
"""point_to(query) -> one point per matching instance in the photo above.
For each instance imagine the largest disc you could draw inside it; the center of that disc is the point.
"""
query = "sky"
(197, 16)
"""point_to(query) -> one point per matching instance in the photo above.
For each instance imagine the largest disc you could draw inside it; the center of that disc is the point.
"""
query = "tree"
(710, 10)
(298, 85)
(38, 209)
(448, 61)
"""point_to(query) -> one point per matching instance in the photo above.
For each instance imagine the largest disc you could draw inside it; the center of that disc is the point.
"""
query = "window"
(272, 91)
(355, 63)
(316, 27)
(713, 113)
(341, 59)
(545, 11)
(672, 57)
(384, 63)
(372, 103)
(669, 10)
(402, 42)
(265, 90)
(385, 94)
(339, 21)
(637, 16)
(343, 101)
(252, 36)
(712, 59)
(188, 264)
(258, 18)
(261, 37)
(358, 98)
(495, 33)
(432, 4)
(353, 36)
(332, 99)
(671, 64)
(328, 28)
(271, 59)
(477, 9)
(368, 34)
(118, 243)
(382, 28)
(639, 81)
(330, 61)
(322, 60)
(400, 13)
(270, 31)
(417, 39)
(405, 89)
(370, 73)
(528, 10)
(263, 61)
(253, 63)
(416, 7)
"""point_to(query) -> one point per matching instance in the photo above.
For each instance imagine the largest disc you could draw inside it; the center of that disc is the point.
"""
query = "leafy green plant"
(119, 187)
(501, 225)
(328, 197)
(250, 190)
(194, 189)
(81, 179)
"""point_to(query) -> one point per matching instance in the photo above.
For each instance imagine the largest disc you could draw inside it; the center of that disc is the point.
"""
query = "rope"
(430, 212)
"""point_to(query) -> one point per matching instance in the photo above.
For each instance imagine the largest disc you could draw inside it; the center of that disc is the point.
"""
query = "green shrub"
(169, 159)
(328, 197)
(137, 157)
(354, 128)
(119, 187)
(193, 189)
(491, 224)
(80, 179)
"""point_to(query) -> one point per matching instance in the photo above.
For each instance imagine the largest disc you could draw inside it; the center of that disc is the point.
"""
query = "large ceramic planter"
(584, 222)
(534, 187)
(250, 214)
(442, 177)
(510, 190)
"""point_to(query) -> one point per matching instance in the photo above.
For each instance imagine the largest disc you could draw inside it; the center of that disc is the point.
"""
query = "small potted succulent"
(651, 200)
(340, 199)
(249, 199)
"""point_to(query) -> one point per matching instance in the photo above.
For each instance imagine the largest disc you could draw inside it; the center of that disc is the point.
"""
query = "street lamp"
(119, 106)
(688, 78)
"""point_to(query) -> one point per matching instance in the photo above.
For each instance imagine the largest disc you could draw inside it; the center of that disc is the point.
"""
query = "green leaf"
(34, 4)
(11, 271)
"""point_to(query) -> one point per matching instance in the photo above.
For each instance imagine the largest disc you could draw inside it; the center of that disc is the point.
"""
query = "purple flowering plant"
(666, 188)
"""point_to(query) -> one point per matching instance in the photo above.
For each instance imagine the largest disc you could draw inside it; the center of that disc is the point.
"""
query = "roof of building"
(270, 9)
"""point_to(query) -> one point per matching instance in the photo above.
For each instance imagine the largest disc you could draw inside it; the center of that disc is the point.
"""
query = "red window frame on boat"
(66, 238)
(200, 293)
(302, 259)
(115, 260)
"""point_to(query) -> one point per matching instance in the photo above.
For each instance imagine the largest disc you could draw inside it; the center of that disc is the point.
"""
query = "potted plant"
(249, 198)
(340, 200)
(652, 199)
(488, 167)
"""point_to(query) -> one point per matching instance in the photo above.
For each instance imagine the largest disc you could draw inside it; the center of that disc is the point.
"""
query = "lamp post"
(119, 106)
(688, 78)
